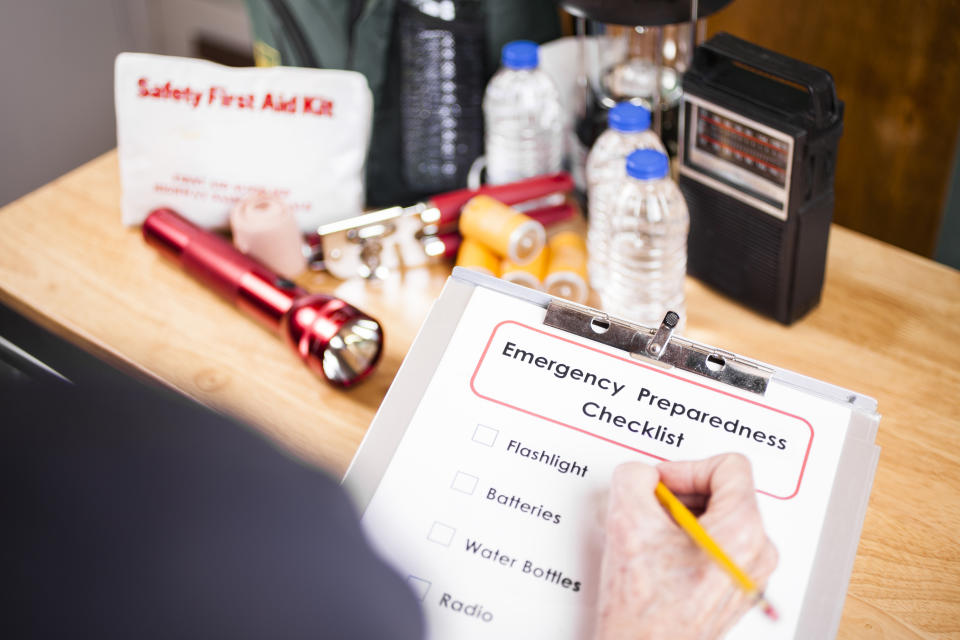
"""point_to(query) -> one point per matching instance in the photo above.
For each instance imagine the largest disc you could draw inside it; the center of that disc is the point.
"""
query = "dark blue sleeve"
(129, 513)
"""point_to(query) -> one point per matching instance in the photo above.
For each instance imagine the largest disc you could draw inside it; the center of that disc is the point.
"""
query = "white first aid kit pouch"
(198, 137)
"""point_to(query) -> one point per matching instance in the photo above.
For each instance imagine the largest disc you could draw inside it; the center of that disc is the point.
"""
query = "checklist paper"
(492, 503)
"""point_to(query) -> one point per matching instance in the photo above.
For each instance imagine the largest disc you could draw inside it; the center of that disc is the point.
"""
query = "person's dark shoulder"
(132, 512)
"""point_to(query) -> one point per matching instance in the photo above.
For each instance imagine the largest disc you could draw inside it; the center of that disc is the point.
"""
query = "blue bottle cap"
(647, 164)
(520, 54)
(627, 116)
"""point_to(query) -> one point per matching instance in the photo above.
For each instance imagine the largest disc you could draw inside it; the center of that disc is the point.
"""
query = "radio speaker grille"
(735, 248)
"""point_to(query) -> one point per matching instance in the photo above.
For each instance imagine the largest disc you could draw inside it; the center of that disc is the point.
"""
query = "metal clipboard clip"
(659, 345)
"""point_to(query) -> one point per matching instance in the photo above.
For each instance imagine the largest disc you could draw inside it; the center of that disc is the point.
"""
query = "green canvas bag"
(360, 35)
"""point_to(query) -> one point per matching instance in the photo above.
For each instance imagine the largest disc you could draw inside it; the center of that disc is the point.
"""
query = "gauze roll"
(264, 228)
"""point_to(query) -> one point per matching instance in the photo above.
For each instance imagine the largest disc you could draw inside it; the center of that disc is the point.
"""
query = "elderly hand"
(655, 582)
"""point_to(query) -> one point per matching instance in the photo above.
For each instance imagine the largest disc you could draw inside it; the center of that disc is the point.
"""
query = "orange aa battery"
(474, 255)
(567, 268)
(530, 274)
(504, 230)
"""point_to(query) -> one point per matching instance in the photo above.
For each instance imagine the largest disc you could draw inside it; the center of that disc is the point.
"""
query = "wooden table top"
(888, 326)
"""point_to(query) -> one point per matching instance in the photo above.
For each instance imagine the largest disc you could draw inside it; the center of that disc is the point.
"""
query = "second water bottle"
(628, 130)
(647, 254)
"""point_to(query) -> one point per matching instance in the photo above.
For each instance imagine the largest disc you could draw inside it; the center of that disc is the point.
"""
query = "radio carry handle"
(818, 82)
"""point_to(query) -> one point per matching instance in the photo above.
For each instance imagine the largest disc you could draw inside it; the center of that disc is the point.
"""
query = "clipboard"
(481, 473)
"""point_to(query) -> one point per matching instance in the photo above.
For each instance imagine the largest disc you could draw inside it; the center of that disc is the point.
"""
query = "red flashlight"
(335, 340)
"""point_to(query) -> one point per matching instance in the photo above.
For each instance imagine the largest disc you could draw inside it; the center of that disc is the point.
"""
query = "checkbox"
(464, 483)
(485, 435)
(441, 534)
(419, 586)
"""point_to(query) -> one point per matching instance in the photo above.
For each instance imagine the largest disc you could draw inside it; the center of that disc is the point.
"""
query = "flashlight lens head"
(335, 339)
(352, 351)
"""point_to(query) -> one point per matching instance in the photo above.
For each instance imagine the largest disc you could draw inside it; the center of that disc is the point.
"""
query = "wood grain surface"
(888, 326)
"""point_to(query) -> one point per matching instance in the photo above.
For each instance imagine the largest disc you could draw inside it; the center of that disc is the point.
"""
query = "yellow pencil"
(689, 523)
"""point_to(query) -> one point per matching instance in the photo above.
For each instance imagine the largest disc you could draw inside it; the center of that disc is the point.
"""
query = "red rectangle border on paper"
(656, 370)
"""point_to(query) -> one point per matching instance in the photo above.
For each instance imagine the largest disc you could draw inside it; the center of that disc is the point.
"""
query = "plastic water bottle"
(647, 243)
(522, 116)
(629, 130)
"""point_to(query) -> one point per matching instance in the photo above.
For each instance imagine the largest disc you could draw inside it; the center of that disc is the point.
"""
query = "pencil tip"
(769, 611)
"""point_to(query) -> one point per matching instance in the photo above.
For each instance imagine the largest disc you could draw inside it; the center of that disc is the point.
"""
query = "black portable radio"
(758, 146)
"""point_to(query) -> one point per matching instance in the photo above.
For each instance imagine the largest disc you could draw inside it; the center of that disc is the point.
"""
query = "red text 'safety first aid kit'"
(200, 137)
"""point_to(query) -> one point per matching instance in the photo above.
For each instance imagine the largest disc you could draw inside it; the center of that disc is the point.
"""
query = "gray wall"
(56, 73)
